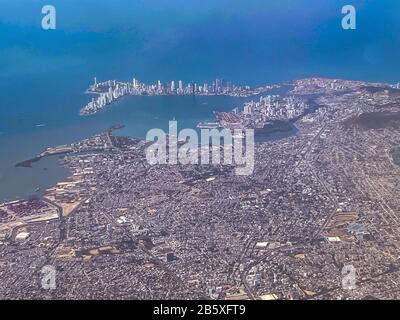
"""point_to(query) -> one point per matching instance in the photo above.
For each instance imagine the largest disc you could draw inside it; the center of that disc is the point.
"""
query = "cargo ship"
(209, 125)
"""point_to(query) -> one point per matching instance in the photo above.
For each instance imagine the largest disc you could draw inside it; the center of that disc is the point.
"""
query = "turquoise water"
(43, 74)
(138, 114)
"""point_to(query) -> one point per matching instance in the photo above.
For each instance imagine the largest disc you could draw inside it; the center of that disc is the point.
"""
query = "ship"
(209, 125)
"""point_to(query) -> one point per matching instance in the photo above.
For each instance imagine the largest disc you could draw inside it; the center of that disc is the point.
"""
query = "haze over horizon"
(253, 42)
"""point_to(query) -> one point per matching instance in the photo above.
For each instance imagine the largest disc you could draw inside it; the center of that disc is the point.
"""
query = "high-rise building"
(217, 85)
(220, 85)
(180, 85)
(172, 86)
(248, 109)
(223, 84)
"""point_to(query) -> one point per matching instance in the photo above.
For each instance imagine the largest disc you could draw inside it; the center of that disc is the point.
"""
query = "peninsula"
(112, 90)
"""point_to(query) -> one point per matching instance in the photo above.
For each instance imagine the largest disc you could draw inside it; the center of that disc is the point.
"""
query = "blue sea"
(44, 73)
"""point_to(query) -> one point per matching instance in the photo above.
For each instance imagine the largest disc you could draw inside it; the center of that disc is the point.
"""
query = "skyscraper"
(217, 85)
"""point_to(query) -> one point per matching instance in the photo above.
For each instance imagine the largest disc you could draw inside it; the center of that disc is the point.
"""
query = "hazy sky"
(251, 41)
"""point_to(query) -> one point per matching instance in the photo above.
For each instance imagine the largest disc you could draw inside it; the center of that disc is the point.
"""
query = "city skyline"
(173, 153)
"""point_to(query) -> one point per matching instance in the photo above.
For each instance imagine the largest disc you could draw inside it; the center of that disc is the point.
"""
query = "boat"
(209, 125)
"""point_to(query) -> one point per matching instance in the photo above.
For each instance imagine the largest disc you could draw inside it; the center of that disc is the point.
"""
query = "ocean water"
(43, 74)
(138, 114)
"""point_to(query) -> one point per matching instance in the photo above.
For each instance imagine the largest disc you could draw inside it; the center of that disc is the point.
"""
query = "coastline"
(278, 128)
(111, 91)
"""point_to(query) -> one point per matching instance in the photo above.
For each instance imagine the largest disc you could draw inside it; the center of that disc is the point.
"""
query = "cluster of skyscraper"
(111, 90)
(274, 108)
(219, 86)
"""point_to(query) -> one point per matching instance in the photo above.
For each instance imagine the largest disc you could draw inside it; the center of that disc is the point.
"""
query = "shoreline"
(263, 134)
(111, 91)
